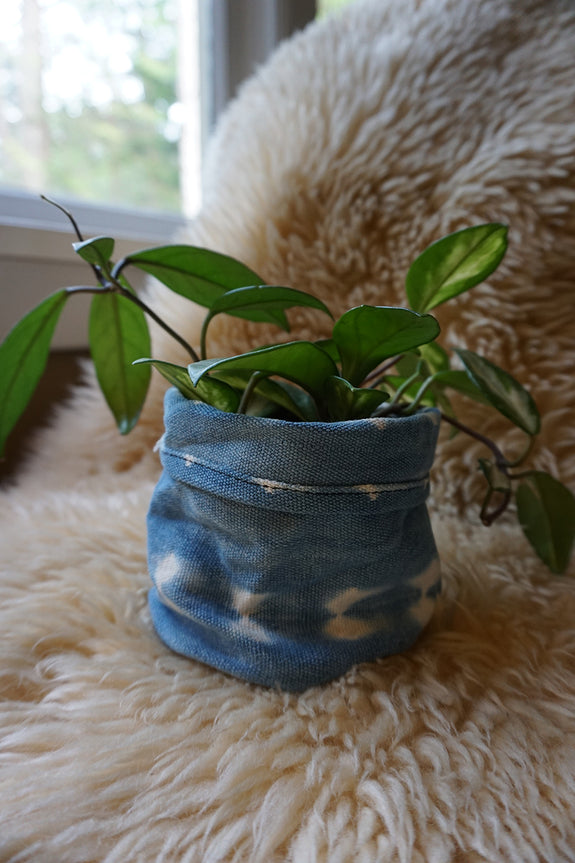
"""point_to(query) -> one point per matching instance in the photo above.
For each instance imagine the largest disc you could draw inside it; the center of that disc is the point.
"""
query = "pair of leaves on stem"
(480, 380)
(119, 333)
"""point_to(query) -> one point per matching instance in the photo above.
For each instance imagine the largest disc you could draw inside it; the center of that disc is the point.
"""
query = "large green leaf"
(202, 276)
(367, 335)
(98, 251)
(546, 512)
(455, 264)
(23, 356)
(262, 297)
(118, 336)
(502, 391)
(209, 390)
(259, 300)
(346, 402)
(300, 362)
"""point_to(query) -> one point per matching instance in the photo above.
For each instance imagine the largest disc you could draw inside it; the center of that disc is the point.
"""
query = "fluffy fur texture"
(363, 140)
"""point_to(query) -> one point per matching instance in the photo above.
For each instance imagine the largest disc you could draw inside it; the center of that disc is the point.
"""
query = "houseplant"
(288, 535)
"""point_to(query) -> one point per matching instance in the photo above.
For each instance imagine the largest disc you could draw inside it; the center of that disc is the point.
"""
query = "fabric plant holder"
(284, 552)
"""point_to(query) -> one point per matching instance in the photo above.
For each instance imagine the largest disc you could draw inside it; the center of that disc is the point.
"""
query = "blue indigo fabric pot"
(285, 552)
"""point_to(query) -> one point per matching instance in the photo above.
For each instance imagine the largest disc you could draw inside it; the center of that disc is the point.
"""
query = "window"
(101, 101)
(105, 106)
(326, 7)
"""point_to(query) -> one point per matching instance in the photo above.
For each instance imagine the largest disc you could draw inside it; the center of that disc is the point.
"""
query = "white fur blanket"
(363, 140)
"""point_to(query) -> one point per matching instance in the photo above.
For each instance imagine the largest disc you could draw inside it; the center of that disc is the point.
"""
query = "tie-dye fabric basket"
(284, 552)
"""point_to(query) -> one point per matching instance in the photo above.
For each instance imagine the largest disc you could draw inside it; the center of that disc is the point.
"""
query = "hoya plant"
(379, 360)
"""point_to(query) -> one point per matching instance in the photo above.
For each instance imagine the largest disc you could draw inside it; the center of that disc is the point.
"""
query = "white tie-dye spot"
(343, 601)
(189, 460)
(248, 628)
(372, 491)
(267, 484)
(423, 610)
(352, 628)
(166, 570)
(245, 602)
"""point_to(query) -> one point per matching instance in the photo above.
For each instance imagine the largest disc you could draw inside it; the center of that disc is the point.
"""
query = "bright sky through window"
(93, 103)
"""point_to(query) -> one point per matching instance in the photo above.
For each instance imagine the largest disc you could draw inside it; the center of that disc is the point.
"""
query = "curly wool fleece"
(364, 139)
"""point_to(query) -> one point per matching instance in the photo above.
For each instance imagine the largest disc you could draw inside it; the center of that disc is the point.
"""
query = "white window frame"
(35, 252)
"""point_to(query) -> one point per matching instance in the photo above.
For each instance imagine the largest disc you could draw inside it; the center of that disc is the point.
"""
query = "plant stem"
(374, 377)
(77, 231)
(115, 276)
(525, 454)
(66, 213)
(487, 518)
(500, 459)
(117, 288)
(203, 334)
(248, 392)
(120, 289)
(86, 289)
(419, 395)
(388, 407)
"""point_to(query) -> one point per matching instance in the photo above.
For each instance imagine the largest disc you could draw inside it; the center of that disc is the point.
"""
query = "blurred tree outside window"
(326, 7)
(100, 101)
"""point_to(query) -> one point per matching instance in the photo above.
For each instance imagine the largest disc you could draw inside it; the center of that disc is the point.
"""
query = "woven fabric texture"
(284, 552)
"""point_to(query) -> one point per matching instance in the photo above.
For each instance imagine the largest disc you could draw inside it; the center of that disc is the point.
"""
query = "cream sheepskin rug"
(363, 140)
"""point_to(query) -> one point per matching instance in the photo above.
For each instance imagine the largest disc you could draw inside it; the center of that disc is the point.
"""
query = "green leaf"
(455, 264)
(460, 382)
(367, 335)
(503, 392)
(261, 297)
(345, 402)
(118, 336)
(435, 356)
(330, 348)
(546, 512)
(98, 251)
(202, 276)
(408, 364)
(23, 356)
(301, 362)
(280, 394)
(307, 409)
(259, 301)
(208, 390)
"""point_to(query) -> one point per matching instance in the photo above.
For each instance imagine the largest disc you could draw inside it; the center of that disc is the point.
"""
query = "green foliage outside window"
(88, 106)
